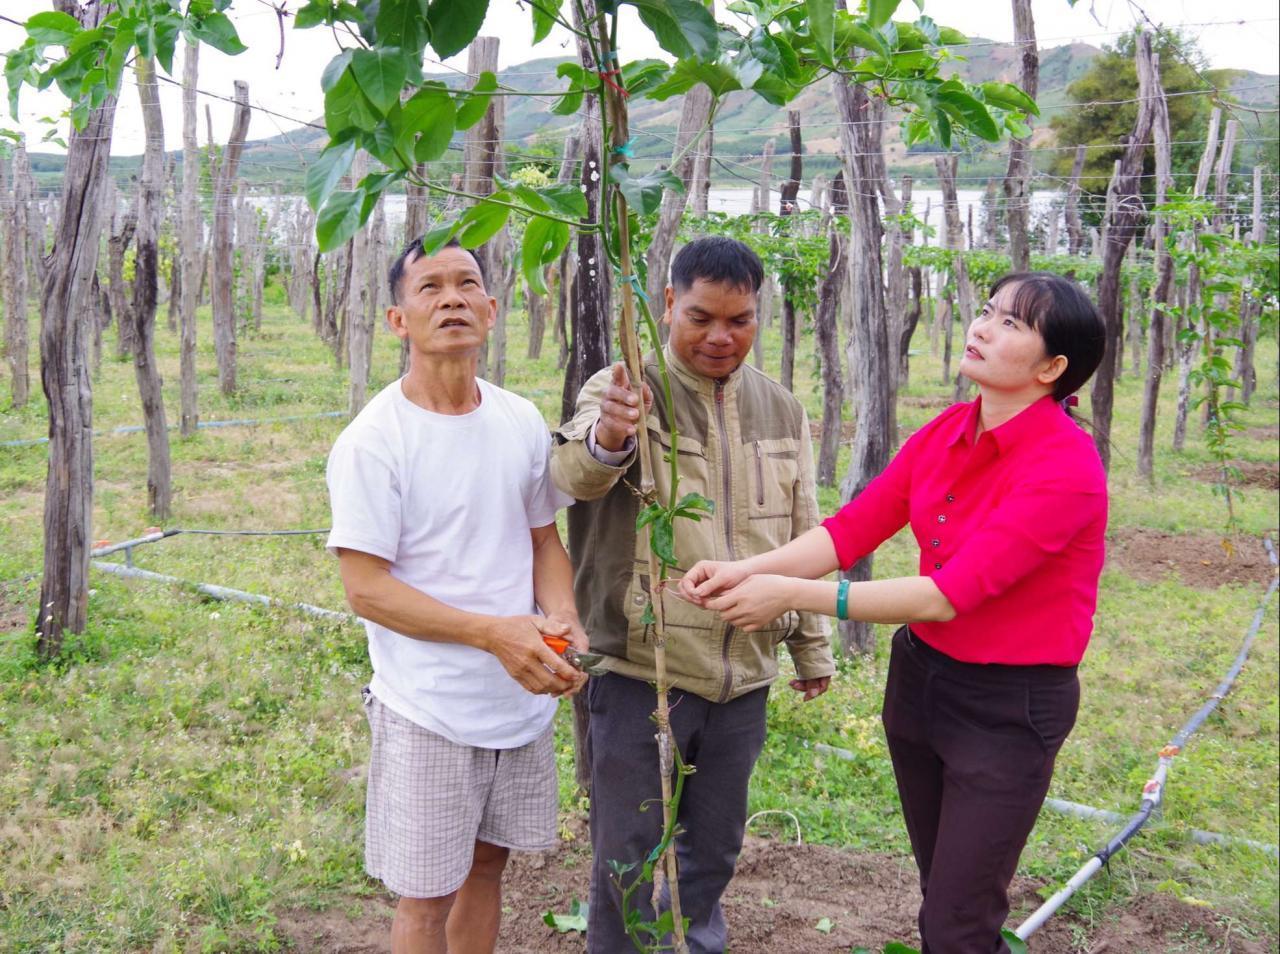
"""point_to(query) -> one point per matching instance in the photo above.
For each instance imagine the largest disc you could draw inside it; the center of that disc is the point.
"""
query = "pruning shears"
(585, 662)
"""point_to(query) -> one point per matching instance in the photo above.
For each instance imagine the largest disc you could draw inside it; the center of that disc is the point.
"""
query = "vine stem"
(616, 111)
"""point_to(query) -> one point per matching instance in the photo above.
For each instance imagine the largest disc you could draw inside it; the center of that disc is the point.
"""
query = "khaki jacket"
(744, 443)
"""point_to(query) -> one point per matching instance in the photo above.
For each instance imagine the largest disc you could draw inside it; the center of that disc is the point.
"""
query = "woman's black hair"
(1061, 311)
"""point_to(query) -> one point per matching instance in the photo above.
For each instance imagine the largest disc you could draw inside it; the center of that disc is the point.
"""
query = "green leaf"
(695, 501)
(1016, 944)
(948, 36)
(380, 73)
(345, 106)
(435, 238)
(824, 925)
(474, 105)
(852, 33)
(338, 220)
(684, 28)
(649, 514)
(334, 69)
(822, 26)
(648, 618)
(1010, 97)
(971, 113)
(544, 240)
(480, 223)
(686, 74)
(879, 12)
(575, 920)
(544, 18)
(219, 32)
(52, 27)
(453, 24)
(644, 194)
(323, 174)
(639, 76)
(662, 539)
(429, 113)
(897, 947)
(402, 23)
(565, 199)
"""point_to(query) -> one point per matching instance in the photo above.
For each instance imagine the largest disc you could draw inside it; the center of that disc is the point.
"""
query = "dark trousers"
(723, 740)
(973, 749)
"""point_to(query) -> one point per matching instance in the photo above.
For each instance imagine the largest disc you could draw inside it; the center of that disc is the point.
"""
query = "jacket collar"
(700, 382)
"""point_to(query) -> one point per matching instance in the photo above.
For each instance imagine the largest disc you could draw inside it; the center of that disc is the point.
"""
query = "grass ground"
(189, 769)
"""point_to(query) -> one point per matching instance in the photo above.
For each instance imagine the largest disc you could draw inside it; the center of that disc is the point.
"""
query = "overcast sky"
(1232, 33)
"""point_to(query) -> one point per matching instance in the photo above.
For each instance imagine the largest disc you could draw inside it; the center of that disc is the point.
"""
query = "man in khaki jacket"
(743, 441)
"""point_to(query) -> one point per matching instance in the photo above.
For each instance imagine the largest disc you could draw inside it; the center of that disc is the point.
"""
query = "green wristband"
(842, 600)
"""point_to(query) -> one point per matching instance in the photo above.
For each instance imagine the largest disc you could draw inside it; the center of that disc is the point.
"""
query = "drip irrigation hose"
(157, 535)
(221, 592)
(1153, 790)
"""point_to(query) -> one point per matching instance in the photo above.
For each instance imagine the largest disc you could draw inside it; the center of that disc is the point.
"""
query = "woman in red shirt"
(1007, 499)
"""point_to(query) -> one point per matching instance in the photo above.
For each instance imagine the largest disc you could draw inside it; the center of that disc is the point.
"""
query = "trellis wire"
(235, 422)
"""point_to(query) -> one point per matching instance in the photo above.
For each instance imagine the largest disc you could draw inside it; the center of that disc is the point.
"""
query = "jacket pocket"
(774, 469)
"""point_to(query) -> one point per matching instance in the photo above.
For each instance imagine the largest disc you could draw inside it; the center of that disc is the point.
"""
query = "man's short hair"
(412, 252)
(717, 259)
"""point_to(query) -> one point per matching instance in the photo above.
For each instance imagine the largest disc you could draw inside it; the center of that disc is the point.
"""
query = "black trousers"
(723, 741)
(973, 749)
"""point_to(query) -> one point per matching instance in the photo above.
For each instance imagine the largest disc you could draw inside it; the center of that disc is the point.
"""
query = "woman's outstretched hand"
(754, 603)
(707, 578)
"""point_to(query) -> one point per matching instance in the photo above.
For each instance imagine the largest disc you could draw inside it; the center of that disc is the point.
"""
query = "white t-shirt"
(449, 500)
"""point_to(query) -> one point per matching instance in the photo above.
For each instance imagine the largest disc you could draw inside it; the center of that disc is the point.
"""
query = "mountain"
(743, 124)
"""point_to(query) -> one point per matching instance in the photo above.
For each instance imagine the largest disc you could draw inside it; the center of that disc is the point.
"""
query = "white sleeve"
(546, 498)
(364, 496)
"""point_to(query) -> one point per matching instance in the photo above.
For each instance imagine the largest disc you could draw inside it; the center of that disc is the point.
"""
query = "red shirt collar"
(1031, 419)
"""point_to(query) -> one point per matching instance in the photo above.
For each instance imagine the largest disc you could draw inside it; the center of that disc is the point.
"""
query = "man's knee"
(488, 862)
(425, 913)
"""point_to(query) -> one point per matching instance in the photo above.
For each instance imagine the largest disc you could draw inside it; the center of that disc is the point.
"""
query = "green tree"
(1112, 77)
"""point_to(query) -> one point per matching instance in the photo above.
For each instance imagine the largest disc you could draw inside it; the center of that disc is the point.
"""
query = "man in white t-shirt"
(444, 526)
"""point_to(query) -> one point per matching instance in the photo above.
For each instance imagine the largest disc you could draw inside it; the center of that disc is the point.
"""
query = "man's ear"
(396, 322)
(493, 314)
(671, 301)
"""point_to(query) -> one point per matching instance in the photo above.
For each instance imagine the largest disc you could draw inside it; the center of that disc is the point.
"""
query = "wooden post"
(1222, 175)
(694, 117)
(17, 347)
(358, 323)
(700, 184)
(590, 326)
(895, 274)
(1075, 231)
(764, 302)
(145, 280)
(189, 243)
(946, 167)
(223, 276)
(65, 310)
(872, 442)
(1122, 220)
(825, 328)
(1164, 279)
(568, 263)
(1250, 308)
(1191, 288)
(481, 163)
(787, 203)
(122, 226)
(905, 328)
(1017, 178)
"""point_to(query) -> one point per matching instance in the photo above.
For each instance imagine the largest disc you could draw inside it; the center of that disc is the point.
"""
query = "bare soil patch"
(1197, 559)
(1253, 473)
(779, 895)
(1263, 433)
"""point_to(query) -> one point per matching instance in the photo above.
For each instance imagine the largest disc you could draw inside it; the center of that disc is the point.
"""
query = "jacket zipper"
(759, 476)
(727, 510)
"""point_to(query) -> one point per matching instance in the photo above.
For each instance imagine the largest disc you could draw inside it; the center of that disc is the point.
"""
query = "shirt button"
(937, 566)
(937, 543)
(951, 498)
(942, 518)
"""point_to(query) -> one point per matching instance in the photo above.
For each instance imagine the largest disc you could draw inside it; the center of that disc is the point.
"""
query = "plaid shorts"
(430, 800)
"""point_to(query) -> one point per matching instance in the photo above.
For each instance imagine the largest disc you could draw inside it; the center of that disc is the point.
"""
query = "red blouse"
(1011, 528)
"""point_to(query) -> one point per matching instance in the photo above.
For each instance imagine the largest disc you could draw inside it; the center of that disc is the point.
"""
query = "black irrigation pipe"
(1153, 790)
(138, 428)
(157, 535)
